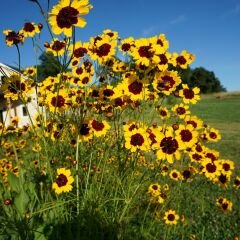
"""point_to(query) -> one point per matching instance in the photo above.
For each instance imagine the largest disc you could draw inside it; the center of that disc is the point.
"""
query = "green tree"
(202, 78)
(49, 66)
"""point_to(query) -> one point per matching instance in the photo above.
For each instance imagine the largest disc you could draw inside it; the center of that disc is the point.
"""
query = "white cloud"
(179, 19)
(149, 31)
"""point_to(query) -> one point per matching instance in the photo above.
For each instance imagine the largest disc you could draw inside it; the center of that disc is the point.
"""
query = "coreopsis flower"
(211, 169)
(171, 217)
(126, 44)
(132, 87)
(143, 51)
(56, 47)
(67, 14)
(63, 182)
(166, 82)
(99, 128)
(182, 60)
(136, 140)
(181, 110)
(225, 204)
(78, 50)
(13, 38)
(154, 190)
(57, 102)
(195, 156)
(110, 33)
(186, 136)
(161, 44)
(213, 135)
(102, 48)
(162, 61)
(85, 132)
(236, 182)
(30, 71)
(189, 95)
(211, 154)
(167, 147)
(175, 175)
(194, 121)
(227, 166)
(30, 29)
(163, 112)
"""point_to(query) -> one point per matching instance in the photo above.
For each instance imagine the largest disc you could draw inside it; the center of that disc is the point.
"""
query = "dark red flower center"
(196, 157)
(84, 130)
(163, 113)
(226, 166)
(222, 179)
(108, 92)
(169, 145)
(145, 51)
(28, 27)
(186, 135)
(67, 16)
(58, 101)
(85, 80)
(159, 42)
(213, 135)
(103, 50)
(181, 110)
(188, 93)
(79, 52)
(211, 168)
(174, 175)
(211, 156)
(194, 124)
(98, 126)
(137, 140)
(165, 83)
(58, 45)
(181, 60)
(135, 87)
(163, 59)
(61, 180)
(154, 187)
(171, 217)
(126, 47)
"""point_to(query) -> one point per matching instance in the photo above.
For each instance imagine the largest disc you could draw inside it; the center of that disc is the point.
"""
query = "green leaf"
(21, 202)
(14, 182)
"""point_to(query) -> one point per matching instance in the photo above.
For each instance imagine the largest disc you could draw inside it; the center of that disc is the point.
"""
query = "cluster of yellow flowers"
(94, 98)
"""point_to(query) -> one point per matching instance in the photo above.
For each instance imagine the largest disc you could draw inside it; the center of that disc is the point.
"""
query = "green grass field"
(222, 111)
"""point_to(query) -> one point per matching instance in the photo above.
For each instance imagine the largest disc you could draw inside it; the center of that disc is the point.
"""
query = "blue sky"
(208, 28)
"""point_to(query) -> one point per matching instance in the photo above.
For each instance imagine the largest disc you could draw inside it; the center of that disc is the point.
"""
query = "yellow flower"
(64, 181)
(167, 147)
(57, 101)
(56, 47)
(30, 29)
(171, 217)
(189, 95)
(65, 15)
(13, 38)
(100, 128)
(154, 190)
(182, 60)
(29, 71)
(136, 139)
(175, 175)
(166, 82)
(186, 136)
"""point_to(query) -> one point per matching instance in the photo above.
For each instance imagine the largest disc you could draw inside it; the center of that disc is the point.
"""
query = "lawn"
(222, 111)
